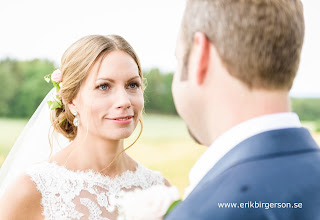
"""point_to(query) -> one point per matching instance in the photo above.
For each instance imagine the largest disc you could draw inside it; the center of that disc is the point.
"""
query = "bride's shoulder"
(23, 187)
(155, 176)
(46, 174)
(20, 199)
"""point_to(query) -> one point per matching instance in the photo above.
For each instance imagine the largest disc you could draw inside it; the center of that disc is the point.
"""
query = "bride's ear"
(72, 106)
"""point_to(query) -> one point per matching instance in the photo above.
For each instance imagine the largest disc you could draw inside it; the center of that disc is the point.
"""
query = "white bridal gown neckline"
(68, 194)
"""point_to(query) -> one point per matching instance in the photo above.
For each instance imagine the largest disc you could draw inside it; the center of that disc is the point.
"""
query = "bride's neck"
(96, 153)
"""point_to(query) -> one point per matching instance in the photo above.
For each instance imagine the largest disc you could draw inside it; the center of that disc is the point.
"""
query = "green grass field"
(9, 131)
(164, 146)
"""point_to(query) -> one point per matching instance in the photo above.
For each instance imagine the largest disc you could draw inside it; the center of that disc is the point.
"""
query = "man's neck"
(246, 107)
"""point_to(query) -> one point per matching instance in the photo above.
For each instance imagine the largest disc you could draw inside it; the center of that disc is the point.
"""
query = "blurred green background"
(164, 145)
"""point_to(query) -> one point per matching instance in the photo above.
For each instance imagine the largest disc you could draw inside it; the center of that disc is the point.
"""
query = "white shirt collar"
(233, 137)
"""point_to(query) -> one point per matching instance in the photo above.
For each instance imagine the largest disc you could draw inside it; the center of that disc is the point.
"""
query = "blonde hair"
(76, 63)
(259, 42)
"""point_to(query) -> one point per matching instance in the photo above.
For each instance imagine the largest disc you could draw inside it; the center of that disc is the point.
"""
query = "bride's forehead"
(116, 65)
(113, 76)
(117, 75)
(117, 59)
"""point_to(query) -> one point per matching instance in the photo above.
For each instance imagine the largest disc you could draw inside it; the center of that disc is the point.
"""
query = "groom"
(236, 64)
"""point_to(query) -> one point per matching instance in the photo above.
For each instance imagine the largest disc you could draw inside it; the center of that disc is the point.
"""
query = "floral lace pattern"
(95, 211)
(89, 195)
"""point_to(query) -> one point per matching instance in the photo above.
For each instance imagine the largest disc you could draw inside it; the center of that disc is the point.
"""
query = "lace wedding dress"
(89, 195)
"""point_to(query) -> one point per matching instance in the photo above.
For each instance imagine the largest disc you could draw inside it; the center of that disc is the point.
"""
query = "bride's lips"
(122, 120)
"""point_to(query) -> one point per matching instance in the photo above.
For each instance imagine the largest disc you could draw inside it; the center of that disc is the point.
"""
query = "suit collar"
(235, 135)
(265, 145)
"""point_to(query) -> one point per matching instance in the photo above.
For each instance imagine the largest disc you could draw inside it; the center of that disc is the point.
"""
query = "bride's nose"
(122, 99)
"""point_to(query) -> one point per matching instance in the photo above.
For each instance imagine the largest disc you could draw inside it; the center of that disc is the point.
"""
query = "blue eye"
(103, 87)
(134, 85)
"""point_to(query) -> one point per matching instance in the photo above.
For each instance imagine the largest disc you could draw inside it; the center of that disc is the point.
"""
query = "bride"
(98, 103)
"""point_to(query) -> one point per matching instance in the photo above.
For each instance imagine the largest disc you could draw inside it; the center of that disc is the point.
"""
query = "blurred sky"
(44, 29)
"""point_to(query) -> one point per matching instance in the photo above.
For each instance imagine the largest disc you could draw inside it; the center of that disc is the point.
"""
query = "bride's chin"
(117, 135)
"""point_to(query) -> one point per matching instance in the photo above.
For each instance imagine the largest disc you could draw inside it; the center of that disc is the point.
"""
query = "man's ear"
(202, 53)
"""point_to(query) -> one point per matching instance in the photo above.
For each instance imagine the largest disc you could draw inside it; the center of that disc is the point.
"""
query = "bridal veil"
(33, 145)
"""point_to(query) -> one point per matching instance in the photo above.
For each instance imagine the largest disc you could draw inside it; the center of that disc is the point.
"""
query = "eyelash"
(136, 84)
(103, 84)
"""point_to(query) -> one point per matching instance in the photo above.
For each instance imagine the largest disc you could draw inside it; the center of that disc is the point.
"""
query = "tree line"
(22, 89)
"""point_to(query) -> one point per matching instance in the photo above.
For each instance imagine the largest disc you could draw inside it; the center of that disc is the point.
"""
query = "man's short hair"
(258, 41)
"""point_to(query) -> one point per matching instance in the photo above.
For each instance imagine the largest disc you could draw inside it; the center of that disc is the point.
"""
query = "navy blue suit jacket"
(279, 167)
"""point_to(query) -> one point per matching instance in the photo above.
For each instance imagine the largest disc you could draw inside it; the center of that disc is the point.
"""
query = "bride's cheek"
(138, 105)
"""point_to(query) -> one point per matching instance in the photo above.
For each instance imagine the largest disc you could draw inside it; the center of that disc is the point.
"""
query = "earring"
(75, 120)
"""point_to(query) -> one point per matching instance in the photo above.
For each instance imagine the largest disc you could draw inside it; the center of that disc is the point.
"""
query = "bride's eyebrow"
(111, 80)
(106, 79)
(132, 78)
